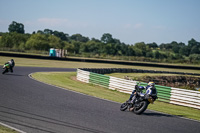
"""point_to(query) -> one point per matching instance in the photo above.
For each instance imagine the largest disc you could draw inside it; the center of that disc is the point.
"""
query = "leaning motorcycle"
(5, 68)
(140, 103)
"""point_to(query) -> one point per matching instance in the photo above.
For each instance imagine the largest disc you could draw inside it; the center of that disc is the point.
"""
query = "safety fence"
(172, 95)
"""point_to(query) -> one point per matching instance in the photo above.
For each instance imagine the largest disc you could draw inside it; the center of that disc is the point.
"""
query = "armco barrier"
(166, 94)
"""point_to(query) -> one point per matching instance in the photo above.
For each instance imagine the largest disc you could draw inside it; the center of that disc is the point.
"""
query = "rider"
(150, 90)
(12, 64)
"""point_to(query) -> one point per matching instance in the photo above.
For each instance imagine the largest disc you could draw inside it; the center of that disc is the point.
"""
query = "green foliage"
(16, 27)
(37, 42)
(14, 40)
(79, 38)
(194, 58)
(54, 42)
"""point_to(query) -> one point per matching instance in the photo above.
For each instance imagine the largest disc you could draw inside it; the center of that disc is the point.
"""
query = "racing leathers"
(12, 64)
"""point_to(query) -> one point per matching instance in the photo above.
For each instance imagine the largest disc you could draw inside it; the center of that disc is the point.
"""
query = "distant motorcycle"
(141, 102)
(5, 68)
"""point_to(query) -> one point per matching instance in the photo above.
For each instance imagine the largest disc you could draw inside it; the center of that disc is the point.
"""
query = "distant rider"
(11, 64)
(150, 90)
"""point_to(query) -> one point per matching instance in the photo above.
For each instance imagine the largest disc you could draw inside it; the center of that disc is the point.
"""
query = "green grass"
(66, 80)
(4, 129)
(73, 64)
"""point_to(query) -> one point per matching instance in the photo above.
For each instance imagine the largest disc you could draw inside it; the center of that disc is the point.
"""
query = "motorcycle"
(5, 68)
(141, 102)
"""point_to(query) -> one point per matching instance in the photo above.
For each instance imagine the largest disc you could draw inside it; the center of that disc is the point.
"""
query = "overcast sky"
(130, 21)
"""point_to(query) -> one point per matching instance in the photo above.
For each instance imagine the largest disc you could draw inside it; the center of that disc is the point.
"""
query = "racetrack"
(34, 107)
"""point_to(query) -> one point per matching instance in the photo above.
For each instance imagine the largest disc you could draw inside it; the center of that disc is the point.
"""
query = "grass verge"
(67, 80)
(4, 129)
(73, 64)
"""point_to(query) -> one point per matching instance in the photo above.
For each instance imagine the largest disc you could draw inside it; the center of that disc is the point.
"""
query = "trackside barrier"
(122, 85)
(177, 96)
(83, 76)
(99, 79)
(184, 97)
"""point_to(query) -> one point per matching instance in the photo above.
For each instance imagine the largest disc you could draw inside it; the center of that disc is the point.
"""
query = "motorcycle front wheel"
(124, 106)
(3, 71)
(141, 107)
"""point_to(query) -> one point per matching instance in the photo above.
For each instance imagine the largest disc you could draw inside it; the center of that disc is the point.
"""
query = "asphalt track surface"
(35, 107)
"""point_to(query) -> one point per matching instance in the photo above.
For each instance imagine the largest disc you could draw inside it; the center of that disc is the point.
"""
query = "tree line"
(106, 46)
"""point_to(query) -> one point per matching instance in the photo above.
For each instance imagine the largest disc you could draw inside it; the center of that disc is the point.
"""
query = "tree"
(156, 54)
(130, 51)
(194, 46)
(184, 51)
(61, 35)
(38, 42)
(141, 47)
(138, 52)
(94, 47)
(77, 45)
(69, 47)
(149, 54)
(177, 46)
(7, 41)
(152, 45)
(195, 50)
(48, 31)
(192, 43)
(167, 46)
(96, 40)
(14, 40)
(16, 27)
(109, 49)
(79, 37)
(40, 32)
(54, 42)
(107, 38)
(194, 58)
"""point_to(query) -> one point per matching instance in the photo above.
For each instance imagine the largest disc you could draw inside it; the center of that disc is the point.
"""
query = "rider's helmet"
(151, 84)
(12, 60)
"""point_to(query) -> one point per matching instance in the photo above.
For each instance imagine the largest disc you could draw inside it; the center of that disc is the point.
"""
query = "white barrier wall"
(122, 85)
(83, 76)
(184, 97)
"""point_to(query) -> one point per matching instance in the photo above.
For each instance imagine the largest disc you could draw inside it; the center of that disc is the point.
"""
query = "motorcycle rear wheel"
(124, 106)
(4, 71)
(141, 108)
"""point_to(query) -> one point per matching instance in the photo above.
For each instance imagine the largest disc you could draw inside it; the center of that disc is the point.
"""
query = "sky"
(130, 21)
